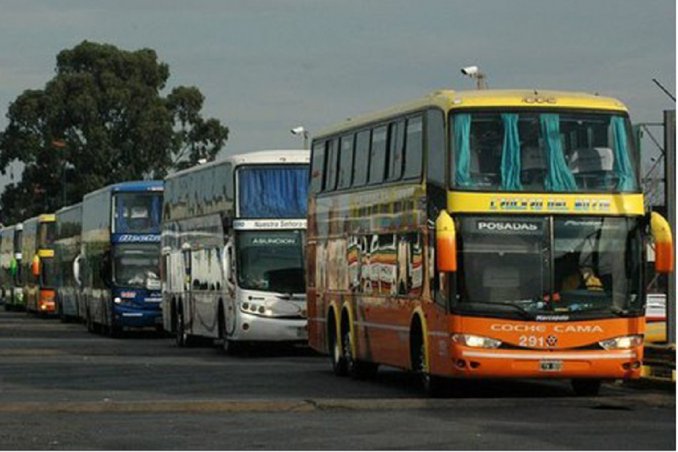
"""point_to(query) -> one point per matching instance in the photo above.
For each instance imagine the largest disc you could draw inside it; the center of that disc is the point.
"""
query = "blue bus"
(119, 266)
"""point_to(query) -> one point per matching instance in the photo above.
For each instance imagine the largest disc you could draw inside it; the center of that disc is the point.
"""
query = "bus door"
(205, 288)
(230, 301)
(187, 299)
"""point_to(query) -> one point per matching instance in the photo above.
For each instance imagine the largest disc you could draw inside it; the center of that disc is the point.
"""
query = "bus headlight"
(117, 300)
(471, 340)
(254, 308)
(622, 342)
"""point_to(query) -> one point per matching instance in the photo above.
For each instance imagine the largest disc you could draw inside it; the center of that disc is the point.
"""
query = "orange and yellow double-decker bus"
(39, 272)
(482, 234)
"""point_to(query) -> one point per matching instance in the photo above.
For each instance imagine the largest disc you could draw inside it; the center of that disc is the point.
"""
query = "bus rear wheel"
(335, 350)
(586, 387)
(354, 367)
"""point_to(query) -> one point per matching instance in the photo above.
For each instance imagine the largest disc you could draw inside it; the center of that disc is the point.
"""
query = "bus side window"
(435, 138)
(396, 145)
(345, 162)
(378, 162)
(435, 162)
(413, 148)
(361, 158)
(317, 167)
(331, 166)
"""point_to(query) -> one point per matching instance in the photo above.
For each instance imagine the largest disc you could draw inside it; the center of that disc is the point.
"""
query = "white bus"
(233, 250)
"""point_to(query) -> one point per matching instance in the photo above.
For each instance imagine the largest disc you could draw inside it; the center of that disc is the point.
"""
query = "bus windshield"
(511, 267)
(46, 234)
(138, 213)
(267, 191)
(543, 152)
(48, 273)
(271, 261)
(18, 238)
(137, 266)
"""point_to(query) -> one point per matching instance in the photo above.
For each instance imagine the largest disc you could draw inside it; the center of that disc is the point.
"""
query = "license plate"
(550, 366)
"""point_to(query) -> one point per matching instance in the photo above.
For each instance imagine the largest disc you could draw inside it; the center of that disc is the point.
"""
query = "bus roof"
(253, 158)
(69, 208)
(131, 186)
(6, 230)
(42, 218)
(517, 98)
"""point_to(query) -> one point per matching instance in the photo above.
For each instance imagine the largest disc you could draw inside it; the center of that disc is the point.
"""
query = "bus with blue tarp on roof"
(119, 265)
(232, 254)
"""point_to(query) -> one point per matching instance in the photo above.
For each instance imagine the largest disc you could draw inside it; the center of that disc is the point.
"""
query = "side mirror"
(76, 271)
(227, 262)
(663, 243)
(13, 267)
(35, 266)
(446, 243)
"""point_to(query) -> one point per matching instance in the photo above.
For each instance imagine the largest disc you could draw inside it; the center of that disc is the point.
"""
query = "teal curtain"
(462, 141)
(559, 177)
(622, 163)
(510, 154)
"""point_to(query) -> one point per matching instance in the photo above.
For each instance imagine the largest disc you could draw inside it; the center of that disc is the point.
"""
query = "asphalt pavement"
(63, 388)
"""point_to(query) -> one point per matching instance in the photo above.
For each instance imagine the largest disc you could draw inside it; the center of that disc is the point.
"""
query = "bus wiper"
(621, 312)
(524, 312)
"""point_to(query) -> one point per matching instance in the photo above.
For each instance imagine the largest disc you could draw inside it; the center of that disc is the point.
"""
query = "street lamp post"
(61, 144)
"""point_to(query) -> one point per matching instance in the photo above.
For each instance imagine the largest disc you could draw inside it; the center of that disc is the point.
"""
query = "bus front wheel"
(433, 385)
(183, 339)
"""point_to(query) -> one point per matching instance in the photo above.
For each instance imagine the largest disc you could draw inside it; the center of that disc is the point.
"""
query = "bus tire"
(231, 347)
(60, 311)
(114, 331)
(228, 346)
(586, 387)
(432, 385)
(89, 322)
(183, 339)
(334, 348)
(354, 367)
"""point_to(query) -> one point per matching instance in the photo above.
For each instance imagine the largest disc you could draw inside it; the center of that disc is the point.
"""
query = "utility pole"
(670, 202)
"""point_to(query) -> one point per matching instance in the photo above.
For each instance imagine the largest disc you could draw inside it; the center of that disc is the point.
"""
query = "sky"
(266, 66)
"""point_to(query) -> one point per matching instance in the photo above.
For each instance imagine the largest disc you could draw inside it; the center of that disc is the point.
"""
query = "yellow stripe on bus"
(536, 203)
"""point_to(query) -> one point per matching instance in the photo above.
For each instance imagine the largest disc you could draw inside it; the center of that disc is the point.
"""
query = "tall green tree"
(101, 119)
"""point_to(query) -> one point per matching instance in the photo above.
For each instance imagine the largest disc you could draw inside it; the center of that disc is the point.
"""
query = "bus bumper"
(269, 329)
(603, 364)
(133, 317)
